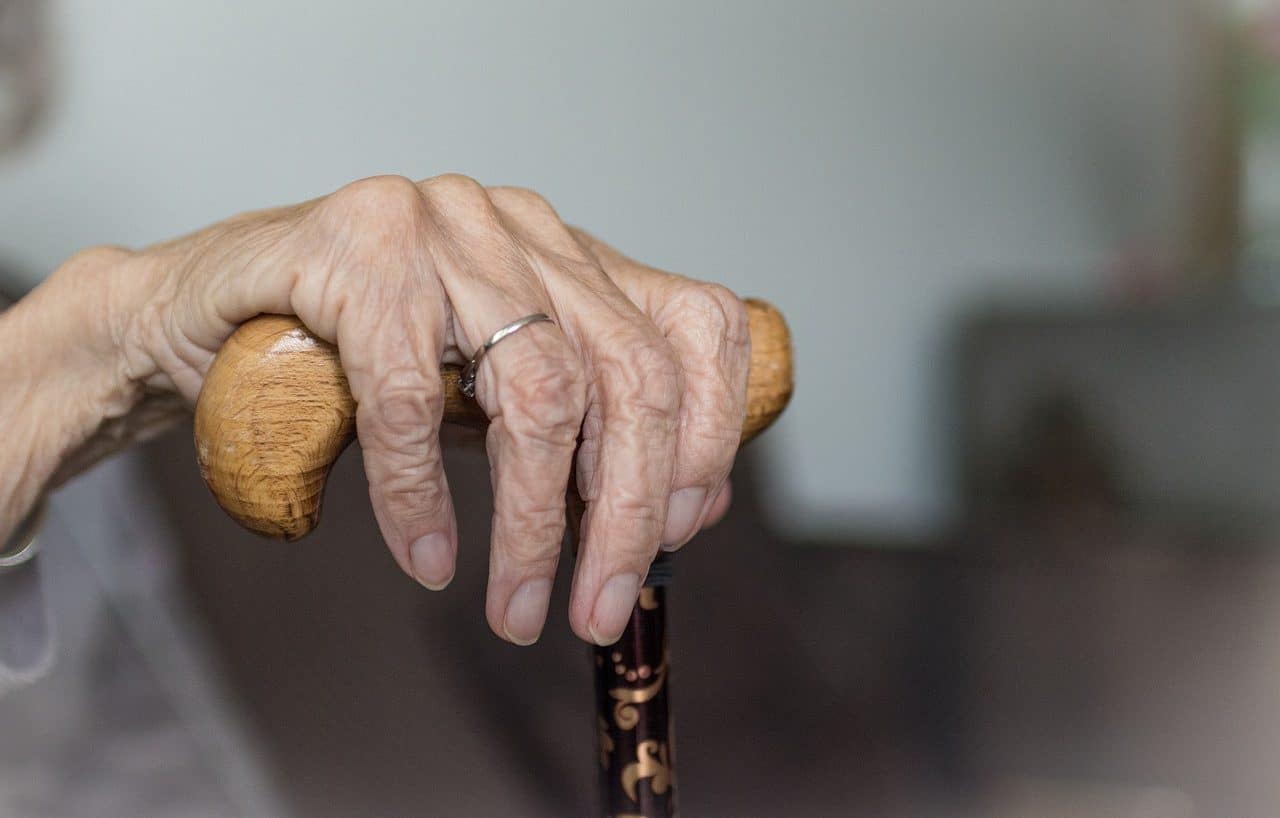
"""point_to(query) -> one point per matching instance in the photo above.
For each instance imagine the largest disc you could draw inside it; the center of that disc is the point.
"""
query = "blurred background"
(1013, 551)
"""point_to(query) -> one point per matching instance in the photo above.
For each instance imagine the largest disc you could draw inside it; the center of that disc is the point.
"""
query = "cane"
(273, 416)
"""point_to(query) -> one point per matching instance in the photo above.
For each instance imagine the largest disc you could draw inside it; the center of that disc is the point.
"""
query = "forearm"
(69, 396)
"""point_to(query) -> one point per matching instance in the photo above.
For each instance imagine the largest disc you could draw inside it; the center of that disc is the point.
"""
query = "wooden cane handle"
(275, 412)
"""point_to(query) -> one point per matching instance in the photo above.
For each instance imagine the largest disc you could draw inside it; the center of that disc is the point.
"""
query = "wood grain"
(275, 412)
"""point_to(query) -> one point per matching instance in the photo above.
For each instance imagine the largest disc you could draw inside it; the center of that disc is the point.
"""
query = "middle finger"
(627, 456)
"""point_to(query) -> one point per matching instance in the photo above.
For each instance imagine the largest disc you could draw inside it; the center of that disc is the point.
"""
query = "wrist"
(64, 349)
(76, 330)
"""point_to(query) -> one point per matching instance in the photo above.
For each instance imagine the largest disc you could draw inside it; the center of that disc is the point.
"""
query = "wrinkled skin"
(649, 367)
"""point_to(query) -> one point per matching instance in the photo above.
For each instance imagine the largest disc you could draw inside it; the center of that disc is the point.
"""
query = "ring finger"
(533, 389)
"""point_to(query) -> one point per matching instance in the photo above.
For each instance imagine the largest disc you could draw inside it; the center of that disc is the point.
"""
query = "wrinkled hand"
(649, 368)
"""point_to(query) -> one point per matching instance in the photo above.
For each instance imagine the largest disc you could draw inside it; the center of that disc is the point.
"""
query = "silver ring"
(467, 384)
(24, 543)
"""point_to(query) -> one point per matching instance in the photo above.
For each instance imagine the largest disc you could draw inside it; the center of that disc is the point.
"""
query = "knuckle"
(713, 410)
(634, 518)
(715, 335)
(531, 527)
(662, 376)
(709, 438)
(404, 410)
(523, 199)
(410, 492)
(707, 453)
(714, 308)
(377, 200)
(548, 399)
(525, 551)
(537, 537)
(645, 377)
(455, 187)
(366, 221)
(466, 204)
(714, 435)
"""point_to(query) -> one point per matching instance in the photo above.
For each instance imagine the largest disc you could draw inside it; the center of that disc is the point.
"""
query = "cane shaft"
(633, 715)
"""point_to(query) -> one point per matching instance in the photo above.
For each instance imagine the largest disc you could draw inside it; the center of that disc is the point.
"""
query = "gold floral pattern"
(624, 713)
(651, 763)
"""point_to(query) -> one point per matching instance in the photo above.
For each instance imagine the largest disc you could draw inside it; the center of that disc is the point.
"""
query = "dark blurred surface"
(1030, 670)
(375, 696)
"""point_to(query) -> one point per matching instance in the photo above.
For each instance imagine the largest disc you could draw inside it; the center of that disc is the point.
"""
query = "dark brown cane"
(633, 715)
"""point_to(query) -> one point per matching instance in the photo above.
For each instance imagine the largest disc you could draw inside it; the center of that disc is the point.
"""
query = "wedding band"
(467, 384)
(24, 544)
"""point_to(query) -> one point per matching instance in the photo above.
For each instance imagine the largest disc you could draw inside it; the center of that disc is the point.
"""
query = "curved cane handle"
(275, 412)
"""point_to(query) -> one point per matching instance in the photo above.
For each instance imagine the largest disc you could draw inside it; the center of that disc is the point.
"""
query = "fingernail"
(684, 509)
(613, 608)
(527, 611)
(431, 558)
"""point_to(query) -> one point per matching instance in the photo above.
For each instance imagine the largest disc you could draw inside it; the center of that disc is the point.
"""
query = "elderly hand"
(649, 369)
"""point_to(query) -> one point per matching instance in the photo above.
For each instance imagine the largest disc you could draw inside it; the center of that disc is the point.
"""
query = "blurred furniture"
(1167, 418)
